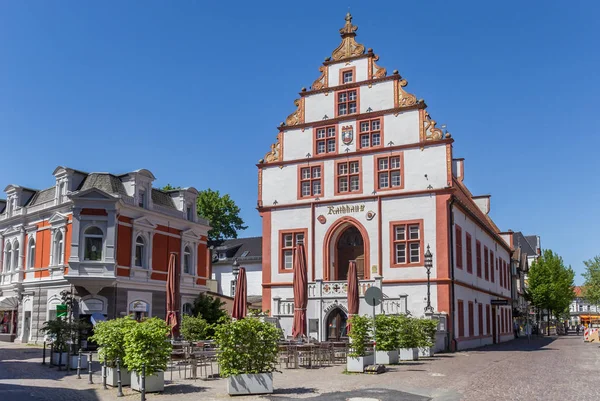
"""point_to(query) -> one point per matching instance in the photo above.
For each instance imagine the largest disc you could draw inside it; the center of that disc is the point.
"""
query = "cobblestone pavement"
(547, 368)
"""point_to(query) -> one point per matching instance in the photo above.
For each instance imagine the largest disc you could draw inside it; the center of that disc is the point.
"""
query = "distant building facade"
(582, 312)
(105, 238)
(248, 253)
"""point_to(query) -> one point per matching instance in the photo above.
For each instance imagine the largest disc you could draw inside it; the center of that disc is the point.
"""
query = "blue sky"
(194, 90)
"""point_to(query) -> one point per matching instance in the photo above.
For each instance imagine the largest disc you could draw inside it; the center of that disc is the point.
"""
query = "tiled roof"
(250, 248)
(577, 291)
(519, 240)
(162, 198)
(464, 197)
(532, 241)
(43, 196)
(104, 182)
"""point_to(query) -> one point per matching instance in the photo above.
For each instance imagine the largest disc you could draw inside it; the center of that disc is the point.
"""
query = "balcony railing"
(336, 289)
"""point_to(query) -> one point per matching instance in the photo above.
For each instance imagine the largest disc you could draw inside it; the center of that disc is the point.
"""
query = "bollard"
(51, 354)
(120, 391)
(104, 374)
(60, 360)
(44, 354)
(79, 364)
(143, 389)
(90, 380)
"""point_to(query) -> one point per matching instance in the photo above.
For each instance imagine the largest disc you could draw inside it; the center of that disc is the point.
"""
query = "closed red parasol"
(352, 291)
(173, 296)
(300, 292)
(240, 301)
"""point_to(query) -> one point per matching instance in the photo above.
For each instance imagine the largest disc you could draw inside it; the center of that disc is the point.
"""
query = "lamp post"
(428, 266)
(236, 270)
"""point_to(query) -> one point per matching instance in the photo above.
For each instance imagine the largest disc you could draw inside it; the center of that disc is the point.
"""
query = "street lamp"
(236, 270)
(428, 266)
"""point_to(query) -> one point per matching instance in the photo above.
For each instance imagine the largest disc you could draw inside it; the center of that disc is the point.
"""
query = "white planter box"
(112, 379)
(260, 383)
(84, 359)
(386, 357)
(357, 364)
(409, 354)
(154, 383)
(425, 352)
(56, 357)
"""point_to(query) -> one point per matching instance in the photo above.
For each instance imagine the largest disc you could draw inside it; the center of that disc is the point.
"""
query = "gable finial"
(348, 47)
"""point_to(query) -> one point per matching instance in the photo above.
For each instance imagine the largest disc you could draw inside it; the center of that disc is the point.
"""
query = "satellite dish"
(373, 296)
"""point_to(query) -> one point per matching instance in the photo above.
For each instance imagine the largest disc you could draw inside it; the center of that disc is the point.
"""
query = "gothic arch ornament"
(337, 228)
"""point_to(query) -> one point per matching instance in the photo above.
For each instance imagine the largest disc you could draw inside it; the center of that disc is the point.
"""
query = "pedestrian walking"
(516, 329)
(577, 330)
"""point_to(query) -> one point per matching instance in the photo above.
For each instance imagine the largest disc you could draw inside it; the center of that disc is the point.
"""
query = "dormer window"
(142, 198)
(190, 212)
(222, 255)
(62, 192)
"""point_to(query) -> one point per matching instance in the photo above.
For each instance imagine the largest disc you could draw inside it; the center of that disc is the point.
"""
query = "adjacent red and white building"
(105, 238)
(360, 171)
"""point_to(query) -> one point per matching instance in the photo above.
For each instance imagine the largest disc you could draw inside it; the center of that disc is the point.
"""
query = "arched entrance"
(336, 325)
(350, 246)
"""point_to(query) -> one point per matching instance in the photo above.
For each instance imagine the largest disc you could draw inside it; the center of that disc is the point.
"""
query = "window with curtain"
(187, 260)
(15, 252)
(93, 238)
(57, 250)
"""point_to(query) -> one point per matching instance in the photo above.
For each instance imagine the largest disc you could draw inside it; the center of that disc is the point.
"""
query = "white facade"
(360, 161)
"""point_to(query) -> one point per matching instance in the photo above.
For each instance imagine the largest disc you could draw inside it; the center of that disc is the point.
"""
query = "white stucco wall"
(297, 143)
(224, 276)
(380, 96)
(287, 219)
(361, 71)
(401, 129)
(318, 105)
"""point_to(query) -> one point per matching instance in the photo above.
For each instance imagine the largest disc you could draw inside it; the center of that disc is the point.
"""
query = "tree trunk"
(549, 313)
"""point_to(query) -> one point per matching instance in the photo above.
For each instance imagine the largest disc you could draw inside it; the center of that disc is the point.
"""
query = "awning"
(9, 303)
(97, 317)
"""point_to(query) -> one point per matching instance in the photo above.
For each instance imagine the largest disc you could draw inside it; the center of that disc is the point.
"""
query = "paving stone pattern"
(547, 368)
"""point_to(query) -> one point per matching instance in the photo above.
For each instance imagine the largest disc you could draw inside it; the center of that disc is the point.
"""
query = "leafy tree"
(223, 214)
(110, 336)
(211, 310)
(221, 211)
(193, 328)
(591, 287)
(551, 283)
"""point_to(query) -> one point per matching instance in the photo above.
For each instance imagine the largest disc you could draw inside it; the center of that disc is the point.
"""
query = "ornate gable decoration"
(296, 117)
(275, 154)
(431, 132)
(348, 48)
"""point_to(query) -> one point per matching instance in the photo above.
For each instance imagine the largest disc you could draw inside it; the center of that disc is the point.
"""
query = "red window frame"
(343, 71)
(459, 247)
(371, 132)
(471, 319)
(283, 247)
(488, 313)
(352, 99)
(344, 169)
(407, 224)
(492, 260)
(480, 318)
(461, 319)
(398, 159)
(469, 247)
(478, 257)
(487, 262)
(311, 179)
(325, 135)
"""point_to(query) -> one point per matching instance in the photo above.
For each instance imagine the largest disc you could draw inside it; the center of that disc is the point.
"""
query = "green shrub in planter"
(193, 328)
(59, 330)
(361, 331)
(428, 329)
(246, 346)
(110, 337)
(146, 343)
(410, 334)
(387, 333)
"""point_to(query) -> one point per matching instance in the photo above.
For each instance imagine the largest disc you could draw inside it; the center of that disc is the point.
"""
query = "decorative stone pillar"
(75, 236)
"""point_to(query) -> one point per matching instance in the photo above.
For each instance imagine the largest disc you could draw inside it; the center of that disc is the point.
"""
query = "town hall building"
(361, 172)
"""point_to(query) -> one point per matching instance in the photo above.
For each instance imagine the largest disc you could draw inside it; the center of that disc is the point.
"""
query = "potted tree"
(248, 355)
(146, 346)
(193, 329)
(360, 334)
(408, 339)
(110, 337)
(76, 329)
(428, 329)
(58, 331)
(386, 339)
